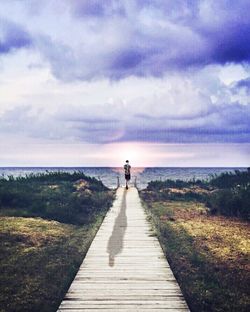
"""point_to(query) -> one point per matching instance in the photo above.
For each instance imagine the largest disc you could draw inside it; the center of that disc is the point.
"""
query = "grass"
(226, 194)
(38, 261)
(47, 223)
(65, 197)
(209, 255)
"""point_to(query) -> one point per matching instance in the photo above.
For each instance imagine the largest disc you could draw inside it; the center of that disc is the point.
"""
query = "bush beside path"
(207, 246)
(47, 223)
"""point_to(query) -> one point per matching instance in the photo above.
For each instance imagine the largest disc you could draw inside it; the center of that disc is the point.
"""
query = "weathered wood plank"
(125, 268)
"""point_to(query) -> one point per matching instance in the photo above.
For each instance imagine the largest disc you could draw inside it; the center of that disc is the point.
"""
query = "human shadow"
(115, 243)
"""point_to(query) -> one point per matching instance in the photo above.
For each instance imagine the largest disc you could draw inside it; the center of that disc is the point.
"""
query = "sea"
(114, 176)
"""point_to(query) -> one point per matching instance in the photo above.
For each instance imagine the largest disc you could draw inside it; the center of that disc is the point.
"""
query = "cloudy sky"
(91, 83)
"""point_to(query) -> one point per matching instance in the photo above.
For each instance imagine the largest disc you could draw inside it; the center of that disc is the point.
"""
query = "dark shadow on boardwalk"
(115, 243)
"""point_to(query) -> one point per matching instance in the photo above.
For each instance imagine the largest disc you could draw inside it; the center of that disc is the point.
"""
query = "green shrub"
(231, 202)
(159, 185)
(230, 179)
(54, 195)
(227, 194)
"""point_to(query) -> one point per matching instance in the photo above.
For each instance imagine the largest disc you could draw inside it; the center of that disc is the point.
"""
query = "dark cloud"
(231, 44)
(116, 39)
(158, 36)
(97, 8)
(227, 124)
(244, 83)
(95, 40)
(83, 8)
(241, 91)
(12, 37)
(93, 8)
(127, 60)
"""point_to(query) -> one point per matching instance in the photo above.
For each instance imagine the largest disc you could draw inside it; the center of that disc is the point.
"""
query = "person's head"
(127, 161)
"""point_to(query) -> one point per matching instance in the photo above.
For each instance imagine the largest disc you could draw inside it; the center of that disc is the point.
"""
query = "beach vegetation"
(209, 254)
(47, 223)
(225, 194)
(66, 197)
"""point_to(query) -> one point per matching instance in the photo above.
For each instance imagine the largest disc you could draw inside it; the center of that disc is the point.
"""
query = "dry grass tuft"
(209, 255)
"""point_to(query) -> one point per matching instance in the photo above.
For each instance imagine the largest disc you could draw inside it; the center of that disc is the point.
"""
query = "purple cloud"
(228, 123)
(127, 60)
(156, 36)
(12, 37)
(115, 39)
(245, 83)
(97, 41)
(97, 8)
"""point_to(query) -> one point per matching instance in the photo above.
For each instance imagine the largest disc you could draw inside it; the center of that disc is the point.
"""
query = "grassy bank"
(227, 194)
(47, 223)
(208, 254)
(38, 259)
(66, 197)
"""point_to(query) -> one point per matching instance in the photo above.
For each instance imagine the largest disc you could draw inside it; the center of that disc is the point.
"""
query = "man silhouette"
(127, 168)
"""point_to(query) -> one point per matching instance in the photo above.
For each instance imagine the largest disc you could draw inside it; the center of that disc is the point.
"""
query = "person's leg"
(126, 179)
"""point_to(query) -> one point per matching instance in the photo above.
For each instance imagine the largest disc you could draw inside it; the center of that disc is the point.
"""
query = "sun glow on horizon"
(139, 154)
(135, 152)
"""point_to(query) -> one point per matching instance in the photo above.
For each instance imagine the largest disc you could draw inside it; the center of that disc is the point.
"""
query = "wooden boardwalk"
(125, 268)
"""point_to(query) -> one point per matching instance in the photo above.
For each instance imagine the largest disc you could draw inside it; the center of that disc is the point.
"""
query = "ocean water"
(110, 176)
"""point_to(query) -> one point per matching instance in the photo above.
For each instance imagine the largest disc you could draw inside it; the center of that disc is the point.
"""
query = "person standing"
(127, 168)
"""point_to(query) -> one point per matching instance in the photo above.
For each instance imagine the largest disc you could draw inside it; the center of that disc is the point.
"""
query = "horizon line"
(122, 166)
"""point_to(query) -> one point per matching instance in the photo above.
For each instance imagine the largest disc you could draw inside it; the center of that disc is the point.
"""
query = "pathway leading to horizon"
(125, 268)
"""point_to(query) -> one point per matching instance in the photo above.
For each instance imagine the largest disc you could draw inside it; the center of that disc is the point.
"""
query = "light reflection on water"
(109, 175)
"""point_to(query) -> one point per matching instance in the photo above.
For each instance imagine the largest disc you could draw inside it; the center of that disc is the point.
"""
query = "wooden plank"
(118, 309)
(125, 268)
